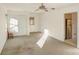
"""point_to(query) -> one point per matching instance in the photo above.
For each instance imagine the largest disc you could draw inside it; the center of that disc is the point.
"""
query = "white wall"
(55, 23)
(3, 29)
(36, 26)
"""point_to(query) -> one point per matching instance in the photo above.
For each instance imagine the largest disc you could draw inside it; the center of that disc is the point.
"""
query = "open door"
(74, 27)
(71, 28)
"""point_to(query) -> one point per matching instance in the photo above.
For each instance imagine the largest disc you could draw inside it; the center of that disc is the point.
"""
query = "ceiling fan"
(43, 7)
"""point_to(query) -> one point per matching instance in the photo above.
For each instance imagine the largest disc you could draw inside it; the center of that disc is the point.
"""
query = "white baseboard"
(55, 38)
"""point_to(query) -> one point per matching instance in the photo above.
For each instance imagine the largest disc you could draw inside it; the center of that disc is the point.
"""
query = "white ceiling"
(32, 6)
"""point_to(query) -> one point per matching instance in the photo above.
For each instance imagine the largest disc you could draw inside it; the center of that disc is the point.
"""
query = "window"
(13, 25)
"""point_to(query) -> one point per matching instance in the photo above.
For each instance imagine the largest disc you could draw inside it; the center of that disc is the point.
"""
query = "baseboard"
(36, 32)
(20, 35)
(56, 38)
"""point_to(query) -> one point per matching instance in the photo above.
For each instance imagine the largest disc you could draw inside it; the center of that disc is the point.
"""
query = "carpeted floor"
(26, 45)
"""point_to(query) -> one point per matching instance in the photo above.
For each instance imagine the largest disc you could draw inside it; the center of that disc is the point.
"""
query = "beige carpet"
(26, 45)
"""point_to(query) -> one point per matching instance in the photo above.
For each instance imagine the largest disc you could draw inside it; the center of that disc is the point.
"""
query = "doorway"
(71, 28)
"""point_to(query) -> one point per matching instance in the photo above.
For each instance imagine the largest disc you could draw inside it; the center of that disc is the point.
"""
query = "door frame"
(76, 26)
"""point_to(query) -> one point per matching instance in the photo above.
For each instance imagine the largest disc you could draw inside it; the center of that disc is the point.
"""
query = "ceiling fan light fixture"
(43, 8)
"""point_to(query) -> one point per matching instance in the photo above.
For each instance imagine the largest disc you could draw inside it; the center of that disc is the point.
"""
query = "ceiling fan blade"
(37, 9)
(46, 10)
(53, 8)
